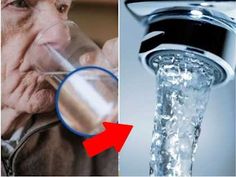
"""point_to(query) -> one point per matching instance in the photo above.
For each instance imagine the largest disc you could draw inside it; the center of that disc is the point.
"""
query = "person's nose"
(57, 36)
(54, 31)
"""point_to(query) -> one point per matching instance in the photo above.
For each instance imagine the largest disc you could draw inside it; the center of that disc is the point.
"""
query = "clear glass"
(68, 49)
(87, 97)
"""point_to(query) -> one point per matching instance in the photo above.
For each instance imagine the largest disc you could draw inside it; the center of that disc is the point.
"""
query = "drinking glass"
(86, 83)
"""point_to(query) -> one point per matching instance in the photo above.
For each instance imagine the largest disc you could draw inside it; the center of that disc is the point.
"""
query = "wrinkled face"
(24, 89)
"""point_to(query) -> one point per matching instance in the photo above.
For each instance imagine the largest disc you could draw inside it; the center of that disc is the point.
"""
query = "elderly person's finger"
(107, 58)
(110, 50)
(88, 58)
(27, 92)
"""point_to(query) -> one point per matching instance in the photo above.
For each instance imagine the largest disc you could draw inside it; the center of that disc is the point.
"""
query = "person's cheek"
(17, 36)
(14, 51)
(14, 22)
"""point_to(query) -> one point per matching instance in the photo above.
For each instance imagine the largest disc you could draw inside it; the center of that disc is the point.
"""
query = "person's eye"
(62, 8)
(19, 4)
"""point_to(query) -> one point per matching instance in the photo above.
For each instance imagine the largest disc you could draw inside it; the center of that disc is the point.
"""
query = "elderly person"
(33, 140)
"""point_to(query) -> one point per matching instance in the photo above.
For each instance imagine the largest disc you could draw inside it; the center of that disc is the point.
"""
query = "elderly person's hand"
(110, 51)
(25, 91)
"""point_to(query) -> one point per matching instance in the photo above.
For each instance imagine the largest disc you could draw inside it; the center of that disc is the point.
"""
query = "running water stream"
(184, 82)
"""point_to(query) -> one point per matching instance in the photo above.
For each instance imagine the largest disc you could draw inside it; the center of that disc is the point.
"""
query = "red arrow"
(115, 136)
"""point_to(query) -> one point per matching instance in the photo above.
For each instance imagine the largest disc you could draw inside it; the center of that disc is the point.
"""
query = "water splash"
(183, 86)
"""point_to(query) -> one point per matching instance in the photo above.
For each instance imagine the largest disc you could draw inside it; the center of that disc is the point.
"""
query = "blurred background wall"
(97, 18)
